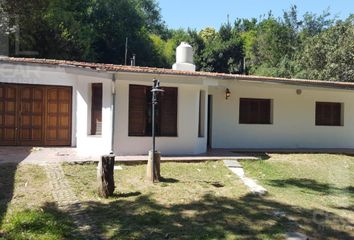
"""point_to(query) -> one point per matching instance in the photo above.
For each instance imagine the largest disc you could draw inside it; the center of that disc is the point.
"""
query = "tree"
(6, 28)
(88, 30)
(330, 55)
(313, 24)
(208, 34)
(151, 14)
(311, 46)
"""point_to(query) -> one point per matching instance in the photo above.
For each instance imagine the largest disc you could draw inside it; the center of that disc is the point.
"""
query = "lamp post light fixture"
(227, 93)
(156, 89)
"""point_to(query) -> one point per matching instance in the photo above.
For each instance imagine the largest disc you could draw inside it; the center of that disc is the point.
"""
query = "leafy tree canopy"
(309, 46)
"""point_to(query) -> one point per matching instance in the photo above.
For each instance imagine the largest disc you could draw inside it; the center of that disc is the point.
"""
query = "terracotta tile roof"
(153, 70)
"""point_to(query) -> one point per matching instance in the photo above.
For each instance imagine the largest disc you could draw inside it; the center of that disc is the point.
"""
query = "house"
(102, 107)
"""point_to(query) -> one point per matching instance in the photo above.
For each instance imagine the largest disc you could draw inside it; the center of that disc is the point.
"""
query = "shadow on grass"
(46, 223)
(7, 179)
(10, 158)
(259, 155)
(311, 185)
(126, 195)
(168, 180)
(349, 208)
(248, 217)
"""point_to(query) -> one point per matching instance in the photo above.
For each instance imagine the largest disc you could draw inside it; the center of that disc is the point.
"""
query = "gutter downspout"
(113, 110)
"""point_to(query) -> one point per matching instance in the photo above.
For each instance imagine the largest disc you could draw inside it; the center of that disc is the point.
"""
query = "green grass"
(27, 210)
(206, 201)
(194, 201)
(46, 223)
(321, 183)
(312, 192)
(183, 182)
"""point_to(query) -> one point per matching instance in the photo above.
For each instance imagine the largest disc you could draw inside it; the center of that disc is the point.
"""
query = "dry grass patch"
(27, 210)
(206, 201)
(194, 201)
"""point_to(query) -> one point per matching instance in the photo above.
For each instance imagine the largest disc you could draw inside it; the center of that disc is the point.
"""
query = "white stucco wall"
(187, 141)
(39, 75)
(293, 115)
(293, 118)
(80, 81)
(86, 143)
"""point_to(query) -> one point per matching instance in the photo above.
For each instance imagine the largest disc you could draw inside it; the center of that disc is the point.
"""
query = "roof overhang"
(111, 68)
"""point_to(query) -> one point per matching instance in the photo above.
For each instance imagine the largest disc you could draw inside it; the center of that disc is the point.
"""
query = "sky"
(198, 14)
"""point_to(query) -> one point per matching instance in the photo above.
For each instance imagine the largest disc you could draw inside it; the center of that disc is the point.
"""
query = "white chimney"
(184, 58)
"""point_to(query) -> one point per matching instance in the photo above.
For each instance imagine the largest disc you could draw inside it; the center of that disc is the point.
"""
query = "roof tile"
(154, 70)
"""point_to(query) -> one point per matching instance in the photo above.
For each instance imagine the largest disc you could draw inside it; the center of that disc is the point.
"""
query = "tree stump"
(105, 176)
(153, 173)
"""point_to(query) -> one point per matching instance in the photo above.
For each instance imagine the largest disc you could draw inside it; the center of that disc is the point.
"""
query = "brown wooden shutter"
(168, 112)
(8, 114)
(137, 110)
(255, 111)
(264, 111)
(96, 109)
(328, 114)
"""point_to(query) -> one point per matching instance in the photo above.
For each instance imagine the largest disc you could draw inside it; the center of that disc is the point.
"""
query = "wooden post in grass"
(105, 176)
(153, 169)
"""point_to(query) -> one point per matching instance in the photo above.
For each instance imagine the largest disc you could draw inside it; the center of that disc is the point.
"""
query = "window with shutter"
(329, 114)
(96, 109)
(140, 111)
(201, 121)
(168, 112)
(255, 111)
(137, 110)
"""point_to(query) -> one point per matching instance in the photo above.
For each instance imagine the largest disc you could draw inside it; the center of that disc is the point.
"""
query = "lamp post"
(155, 90)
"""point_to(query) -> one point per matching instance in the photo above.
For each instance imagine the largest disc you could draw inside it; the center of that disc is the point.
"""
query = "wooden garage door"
(8, 114)
(32, 115)
(58, 121)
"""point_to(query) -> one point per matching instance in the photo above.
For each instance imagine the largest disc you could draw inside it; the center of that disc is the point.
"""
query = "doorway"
(210, 122)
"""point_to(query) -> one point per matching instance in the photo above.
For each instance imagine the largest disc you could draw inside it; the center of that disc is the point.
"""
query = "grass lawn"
(27, 210)
(321, 184)
(194, 201)
(206, 201)
(309, 193)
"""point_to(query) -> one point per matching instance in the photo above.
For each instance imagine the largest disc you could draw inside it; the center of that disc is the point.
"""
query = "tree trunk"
(153, 173)
(105, 176)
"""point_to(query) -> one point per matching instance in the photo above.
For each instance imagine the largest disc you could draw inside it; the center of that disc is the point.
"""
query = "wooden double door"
(35, 115)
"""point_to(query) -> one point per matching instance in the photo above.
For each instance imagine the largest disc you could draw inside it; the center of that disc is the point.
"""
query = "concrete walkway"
(33, 155)
(68, 202)
(255, 188)
(237, 169)
(44, 155)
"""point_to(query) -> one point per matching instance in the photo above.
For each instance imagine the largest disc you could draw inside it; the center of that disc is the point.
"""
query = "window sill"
(94, 136)
(256, 124)
(329, 125)
(155, 136)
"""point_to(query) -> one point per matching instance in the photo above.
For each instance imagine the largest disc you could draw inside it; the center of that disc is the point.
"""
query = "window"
(201, 125)
(329, 114)
(96, 109)
(140, 111)
(255, 111)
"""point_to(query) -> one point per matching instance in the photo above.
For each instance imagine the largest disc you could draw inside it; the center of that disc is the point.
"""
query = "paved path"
(255, 188)
(44, 155)
(68, 201)
(237, 169)
(296, 236)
